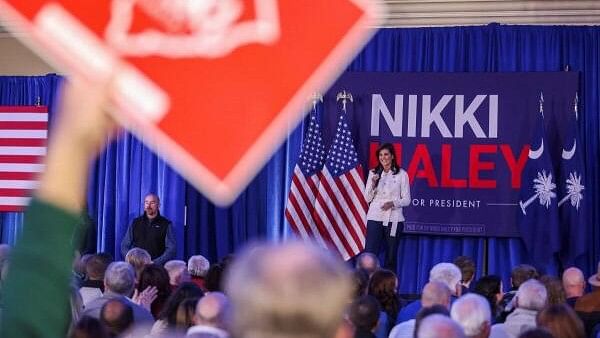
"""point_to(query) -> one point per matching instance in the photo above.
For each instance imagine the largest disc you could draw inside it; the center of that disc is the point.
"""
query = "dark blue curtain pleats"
(127, 170)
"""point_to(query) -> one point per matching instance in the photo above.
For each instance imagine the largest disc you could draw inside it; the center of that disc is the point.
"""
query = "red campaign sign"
(214, 86)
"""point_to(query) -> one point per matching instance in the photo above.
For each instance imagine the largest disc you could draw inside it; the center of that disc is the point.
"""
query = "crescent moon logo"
(567, 155)
(535, 154)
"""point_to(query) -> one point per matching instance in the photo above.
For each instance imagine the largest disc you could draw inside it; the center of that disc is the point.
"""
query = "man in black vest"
(151, 232)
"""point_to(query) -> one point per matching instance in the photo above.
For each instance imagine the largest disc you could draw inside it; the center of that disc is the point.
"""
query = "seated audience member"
(519, 275)
(446, 273)
(138, 258)
(529, 300)
(178, 273)
(426, 312)
(88, 327)
(588, 305)
(211, 319)
(119, 282)
(439, 326)
(383, 286)
(93, 285)
(434, 293)
(556, 293)
(214, 277)
(167, 319)
(467, 270)
(79, 263)
(291, 290)
(117, 317)
(184, 318)
(367, 261)
(198, 267)
(361, 282)
(574, 285)
(591, 301)
(490, 287)
(561, 321)
(537, 333)
(364, 314)
(156, 276)
(76, 303)
(472, 313)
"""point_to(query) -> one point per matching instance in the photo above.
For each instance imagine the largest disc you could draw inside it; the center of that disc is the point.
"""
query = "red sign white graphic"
(214, 86)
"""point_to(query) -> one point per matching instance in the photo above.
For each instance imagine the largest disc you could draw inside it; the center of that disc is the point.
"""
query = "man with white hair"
(178, 273)
(472, 313)
(287, 290)
(119, 282)
(211, 317)
(574, 284)
(434, 293)
(198, 267)
(446, 273)
(529, 300)
(439, 326)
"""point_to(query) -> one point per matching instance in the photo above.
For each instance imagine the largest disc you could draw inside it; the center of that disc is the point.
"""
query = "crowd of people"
(297, 290)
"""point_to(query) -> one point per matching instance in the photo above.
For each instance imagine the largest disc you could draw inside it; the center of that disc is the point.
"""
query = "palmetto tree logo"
(574, 190)
(543, 187)
(191, 28)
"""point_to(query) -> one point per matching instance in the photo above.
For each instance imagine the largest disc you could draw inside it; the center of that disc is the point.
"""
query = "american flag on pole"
(303, 191)
(23, 134)
(341, 207)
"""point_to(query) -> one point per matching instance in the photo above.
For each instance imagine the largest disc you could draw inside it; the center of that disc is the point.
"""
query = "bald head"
(117, 316)
(368, 262)
(435, 293)
(212, 310)
(573, 282)
(291, 289)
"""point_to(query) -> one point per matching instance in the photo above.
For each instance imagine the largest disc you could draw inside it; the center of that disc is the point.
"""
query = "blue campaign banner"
(465, 140)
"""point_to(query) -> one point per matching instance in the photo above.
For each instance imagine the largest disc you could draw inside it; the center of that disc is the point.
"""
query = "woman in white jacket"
(387, 191)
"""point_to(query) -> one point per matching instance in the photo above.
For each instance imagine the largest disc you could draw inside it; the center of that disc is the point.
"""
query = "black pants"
(377, 236)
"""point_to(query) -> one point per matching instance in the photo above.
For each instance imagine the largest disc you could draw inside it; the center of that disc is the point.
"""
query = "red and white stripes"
(341, 209)
(23, 136)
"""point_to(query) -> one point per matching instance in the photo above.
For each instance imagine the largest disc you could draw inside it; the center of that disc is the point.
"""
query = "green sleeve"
(36, 293)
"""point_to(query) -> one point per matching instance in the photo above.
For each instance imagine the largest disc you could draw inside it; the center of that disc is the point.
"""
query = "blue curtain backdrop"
(127, 170)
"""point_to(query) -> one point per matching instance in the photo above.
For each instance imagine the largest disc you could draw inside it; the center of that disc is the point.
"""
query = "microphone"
(377, 176)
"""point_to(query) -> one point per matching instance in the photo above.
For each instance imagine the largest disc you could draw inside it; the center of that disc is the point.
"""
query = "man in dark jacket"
(151, 232)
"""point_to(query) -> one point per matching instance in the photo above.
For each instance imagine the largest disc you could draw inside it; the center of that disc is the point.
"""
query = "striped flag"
(23, 134)
(303, 191)
(341, 207)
